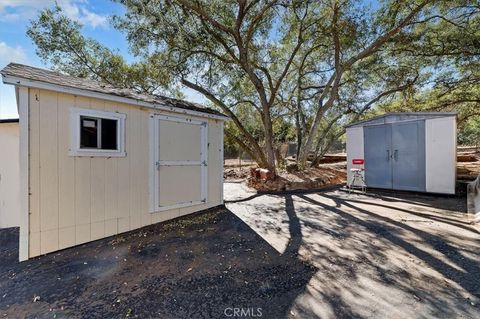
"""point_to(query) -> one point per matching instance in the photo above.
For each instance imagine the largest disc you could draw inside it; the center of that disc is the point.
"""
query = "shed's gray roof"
(56, 78)
(400, 116)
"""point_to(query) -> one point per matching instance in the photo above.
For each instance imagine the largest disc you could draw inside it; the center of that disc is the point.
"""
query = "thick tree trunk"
(280, 157)
(307, 146)
(251, 145)
(319, 154)
(299, 132)
(258, 158)
(299, 118)
(269, 147)
(340, 68)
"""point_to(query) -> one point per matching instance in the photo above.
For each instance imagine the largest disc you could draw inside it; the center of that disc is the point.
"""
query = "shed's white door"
(180, 162)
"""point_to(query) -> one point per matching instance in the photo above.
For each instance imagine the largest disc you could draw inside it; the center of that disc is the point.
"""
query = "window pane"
(109, 134)
(88, 132)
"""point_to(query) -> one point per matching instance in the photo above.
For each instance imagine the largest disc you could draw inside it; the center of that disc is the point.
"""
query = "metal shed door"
(408, 162)
(181, 162)
(377, 144)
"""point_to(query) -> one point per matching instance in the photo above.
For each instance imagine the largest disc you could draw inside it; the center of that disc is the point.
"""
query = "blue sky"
(15, 46)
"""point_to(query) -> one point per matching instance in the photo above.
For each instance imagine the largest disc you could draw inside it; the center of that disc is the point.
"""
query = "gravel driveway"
(375, 256)
(319, 255)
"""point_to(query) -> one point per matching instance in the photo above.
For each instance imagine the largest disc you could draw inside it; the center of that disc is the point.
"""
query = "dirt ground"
(235, 170)
(193, 267)
(296, 255)
(468, 165)
(324, 174)
(331, 172)
(317, 177)
(234, 162)
(380, 255)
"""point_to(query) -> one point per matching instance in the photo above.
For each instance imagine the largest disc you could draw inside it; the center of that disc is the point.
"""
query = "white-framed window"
(97, 133)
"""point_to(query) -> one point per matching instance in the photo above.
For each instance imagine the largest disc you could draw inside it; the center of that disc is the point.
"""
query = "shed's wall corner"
(9, 175)
(441, 160)
(355, 149)
(23, 113)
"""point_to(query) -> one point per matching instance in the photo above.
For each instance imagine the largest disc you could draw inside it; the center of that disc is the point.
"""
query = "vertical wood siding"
(74, 200)
(10, 209)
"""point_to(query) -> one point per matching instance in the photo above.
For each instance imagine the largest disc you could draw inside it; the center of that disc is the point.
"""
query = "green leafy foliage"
(60, 43)
(286, 70)
(470, 133)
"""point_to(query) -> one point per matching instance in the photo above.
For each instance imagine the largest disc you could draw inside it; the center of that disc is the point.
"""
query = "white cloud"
(77, 10)
(11, 54)
(15, 10)
(8, 104)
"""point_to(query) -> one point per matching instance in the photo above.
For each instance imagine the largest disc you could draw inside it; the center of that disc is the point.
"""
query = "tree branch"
(199, 11)
(232, 115)
(375, 45)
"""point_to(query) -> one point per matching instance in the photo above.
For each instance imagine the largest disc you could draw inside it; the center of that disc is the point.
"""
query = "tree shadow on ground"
(463, 268)
(193, 267)
(340, 260)
(369, 265)
(456, 219)
(427, 200)
(373, 238)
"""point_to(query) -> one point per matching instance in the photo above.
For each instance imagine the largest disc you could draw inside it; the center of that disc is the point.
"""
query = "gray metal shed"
(406, 151)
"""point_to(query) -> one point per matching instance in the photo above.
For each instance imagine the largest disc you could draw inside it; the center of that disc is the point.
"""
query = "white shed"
(9, 172)
(95, 160)
(406, 151)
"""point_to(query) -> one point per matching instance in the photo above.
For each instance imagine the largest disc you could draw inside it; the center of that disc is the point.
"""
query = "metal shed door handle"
(395, 155)
(388, 155)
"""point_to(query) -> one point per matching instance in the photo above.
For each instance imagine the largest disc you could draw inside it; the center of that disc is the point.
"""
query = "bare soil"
(377, 255)
(236, 173)
(468, 165)
(234, 162)
(331, 171)
(236, 170)
(323, 254)
(318, 177)
(192, 267)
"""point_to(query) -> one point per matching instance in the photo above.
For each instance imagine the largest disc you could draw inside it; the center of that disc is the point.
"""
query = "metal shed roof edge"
(439, 114)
